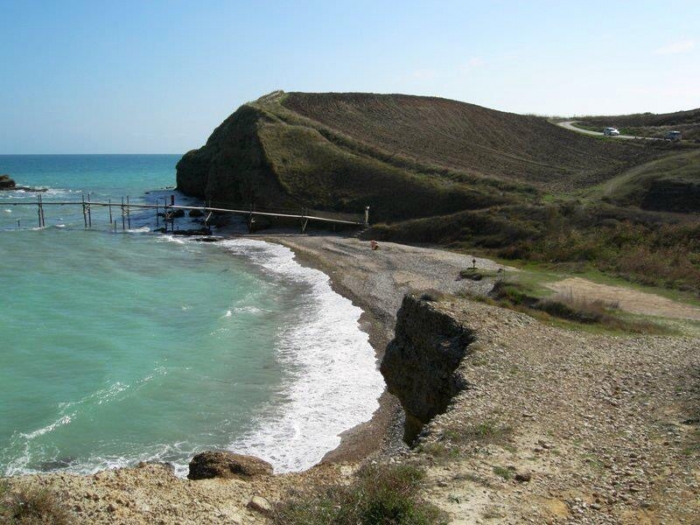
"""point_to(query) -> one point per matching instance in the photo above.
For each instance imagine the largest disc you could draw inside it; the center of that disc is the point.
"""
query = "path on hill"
(632, 301)
(569, 124)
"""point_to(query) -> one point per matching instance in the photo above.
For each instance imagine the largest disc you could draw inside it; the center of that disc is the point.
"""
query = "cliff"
(420, 364)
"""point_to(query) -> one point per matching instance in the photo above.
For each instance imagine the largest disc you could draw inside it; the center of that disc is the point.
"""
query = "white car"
(611, 132)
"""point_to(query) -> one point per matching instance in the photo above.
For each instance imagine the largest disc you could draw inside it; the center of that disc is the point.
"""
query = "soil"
(599, 429)
(626, 299)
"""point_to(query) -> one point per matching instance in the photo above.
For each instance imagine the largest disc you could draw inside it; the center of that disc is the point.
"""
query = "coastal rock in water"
(420, 364)
(6, 183)
(224, 464)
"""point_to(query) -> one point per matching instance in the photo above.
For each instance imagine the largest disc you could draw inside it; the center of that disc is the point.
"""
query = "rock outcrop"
(6, 183)
(224, 464)
(420, 364)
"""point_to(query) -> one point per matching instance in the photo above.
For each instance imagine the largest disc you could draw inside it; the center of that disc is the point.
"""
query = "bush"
(29, 506)
(380, 495)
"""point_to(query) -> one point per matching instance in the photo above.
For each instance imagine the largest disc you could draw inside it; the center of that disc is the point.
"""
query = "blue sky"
(159, 76)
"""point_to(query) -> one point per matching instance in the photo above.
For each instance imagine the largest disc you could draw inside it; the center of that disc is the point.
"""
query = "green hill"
(459, 175)
(404, 156)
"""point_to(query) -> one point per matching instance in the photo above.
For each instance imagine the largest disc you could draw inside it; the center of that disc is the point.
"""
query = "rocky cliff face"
(420, 364)
(231, 169)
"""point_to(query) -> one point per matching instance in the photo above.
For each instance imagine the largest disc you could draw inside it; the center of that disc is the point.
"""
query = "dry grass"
(379, 495)
(30, 506)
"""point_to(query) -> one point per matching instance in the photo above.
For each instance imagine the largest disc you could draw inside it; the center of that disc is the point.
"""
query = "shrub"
(380, 495)
(30, 506)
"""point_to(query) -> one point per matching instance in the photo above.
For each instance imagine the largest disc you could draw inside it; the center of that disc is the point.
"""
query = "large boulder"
(6, 183)
(224, 464)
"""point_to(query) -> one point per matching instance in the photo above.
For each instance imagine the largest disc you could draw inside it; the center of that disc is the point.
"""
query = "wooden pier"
(169, 211)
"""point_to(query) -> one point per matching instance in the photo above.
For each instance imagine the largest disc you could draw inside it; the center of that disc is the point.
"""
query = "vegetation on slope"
(649, 248)
(471, 139)
(650, 124)
(445, 172)
(671, 184)
(378, 495)
(404, 156)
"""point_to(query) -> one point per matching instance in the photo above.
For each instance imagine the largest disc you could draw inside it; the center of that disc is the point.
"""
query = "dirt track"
(627, 299)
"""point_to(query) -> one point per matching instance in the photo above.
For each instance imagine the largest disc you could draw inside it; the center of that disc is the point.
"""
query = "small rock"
(260, 504)
(523, 477)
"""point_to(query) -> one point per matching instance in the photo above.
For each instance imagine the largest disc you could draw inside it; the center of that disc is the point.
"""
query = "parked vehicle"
(673, 135)
(611, 132)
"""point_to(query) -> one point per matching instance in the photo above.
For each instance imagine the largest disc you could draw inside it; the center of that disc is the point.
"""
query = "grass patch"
(378, 495)
(486, 433)
(31, 507)
(476, 274)
(503, 472)
(438, 450)
(568, 308)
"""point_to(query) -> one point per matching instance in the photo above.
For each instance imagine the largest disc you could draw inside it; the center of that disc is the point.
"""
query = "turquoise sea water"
(124, 346)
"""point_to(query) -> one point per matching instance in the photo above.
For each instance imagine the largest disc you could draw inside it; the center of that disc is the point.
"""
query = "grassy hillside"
(404, 156)
(671, 183)
(650, 124)
(471, 139)
(445, 172)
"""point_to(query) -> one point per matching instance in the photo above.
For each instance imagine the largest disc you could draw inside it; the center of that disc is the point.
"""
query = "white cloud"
(475, 62)
(677, 47)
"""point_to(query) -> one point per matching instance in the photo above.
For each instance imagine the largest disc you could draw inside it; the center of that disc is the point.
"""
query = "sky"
(154, 76)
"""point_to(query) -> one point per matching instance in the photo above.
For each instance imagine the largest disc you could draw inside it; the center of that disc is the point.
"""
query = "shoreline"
(382, 432)
(351, 265)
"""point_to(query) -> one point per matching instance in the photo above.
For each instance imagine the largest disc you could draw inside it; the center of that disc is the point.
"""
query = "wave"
(335, 382)
(332, 385)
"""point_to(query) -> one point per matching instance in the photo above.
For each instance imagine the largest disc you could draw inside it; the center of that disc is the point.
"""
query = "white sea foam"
(48, 428)
(247, 310)
(335, 383)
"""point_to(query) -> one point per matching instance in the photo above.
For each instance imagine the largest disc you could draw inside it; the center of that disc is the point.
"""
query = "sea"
(119, 344)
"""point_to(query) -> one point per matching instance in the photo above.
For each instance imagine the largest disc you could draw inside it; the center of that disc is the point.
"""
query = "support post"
(84, 213)
(110, 211)
(366, 216)
(123, 215)
(304, 222)
(41, 209)
(89, 211)
(128, 212)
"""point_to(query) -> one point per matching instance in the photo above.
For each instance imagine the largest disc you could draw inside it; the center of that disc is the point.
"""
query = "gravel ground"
(600, 429)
